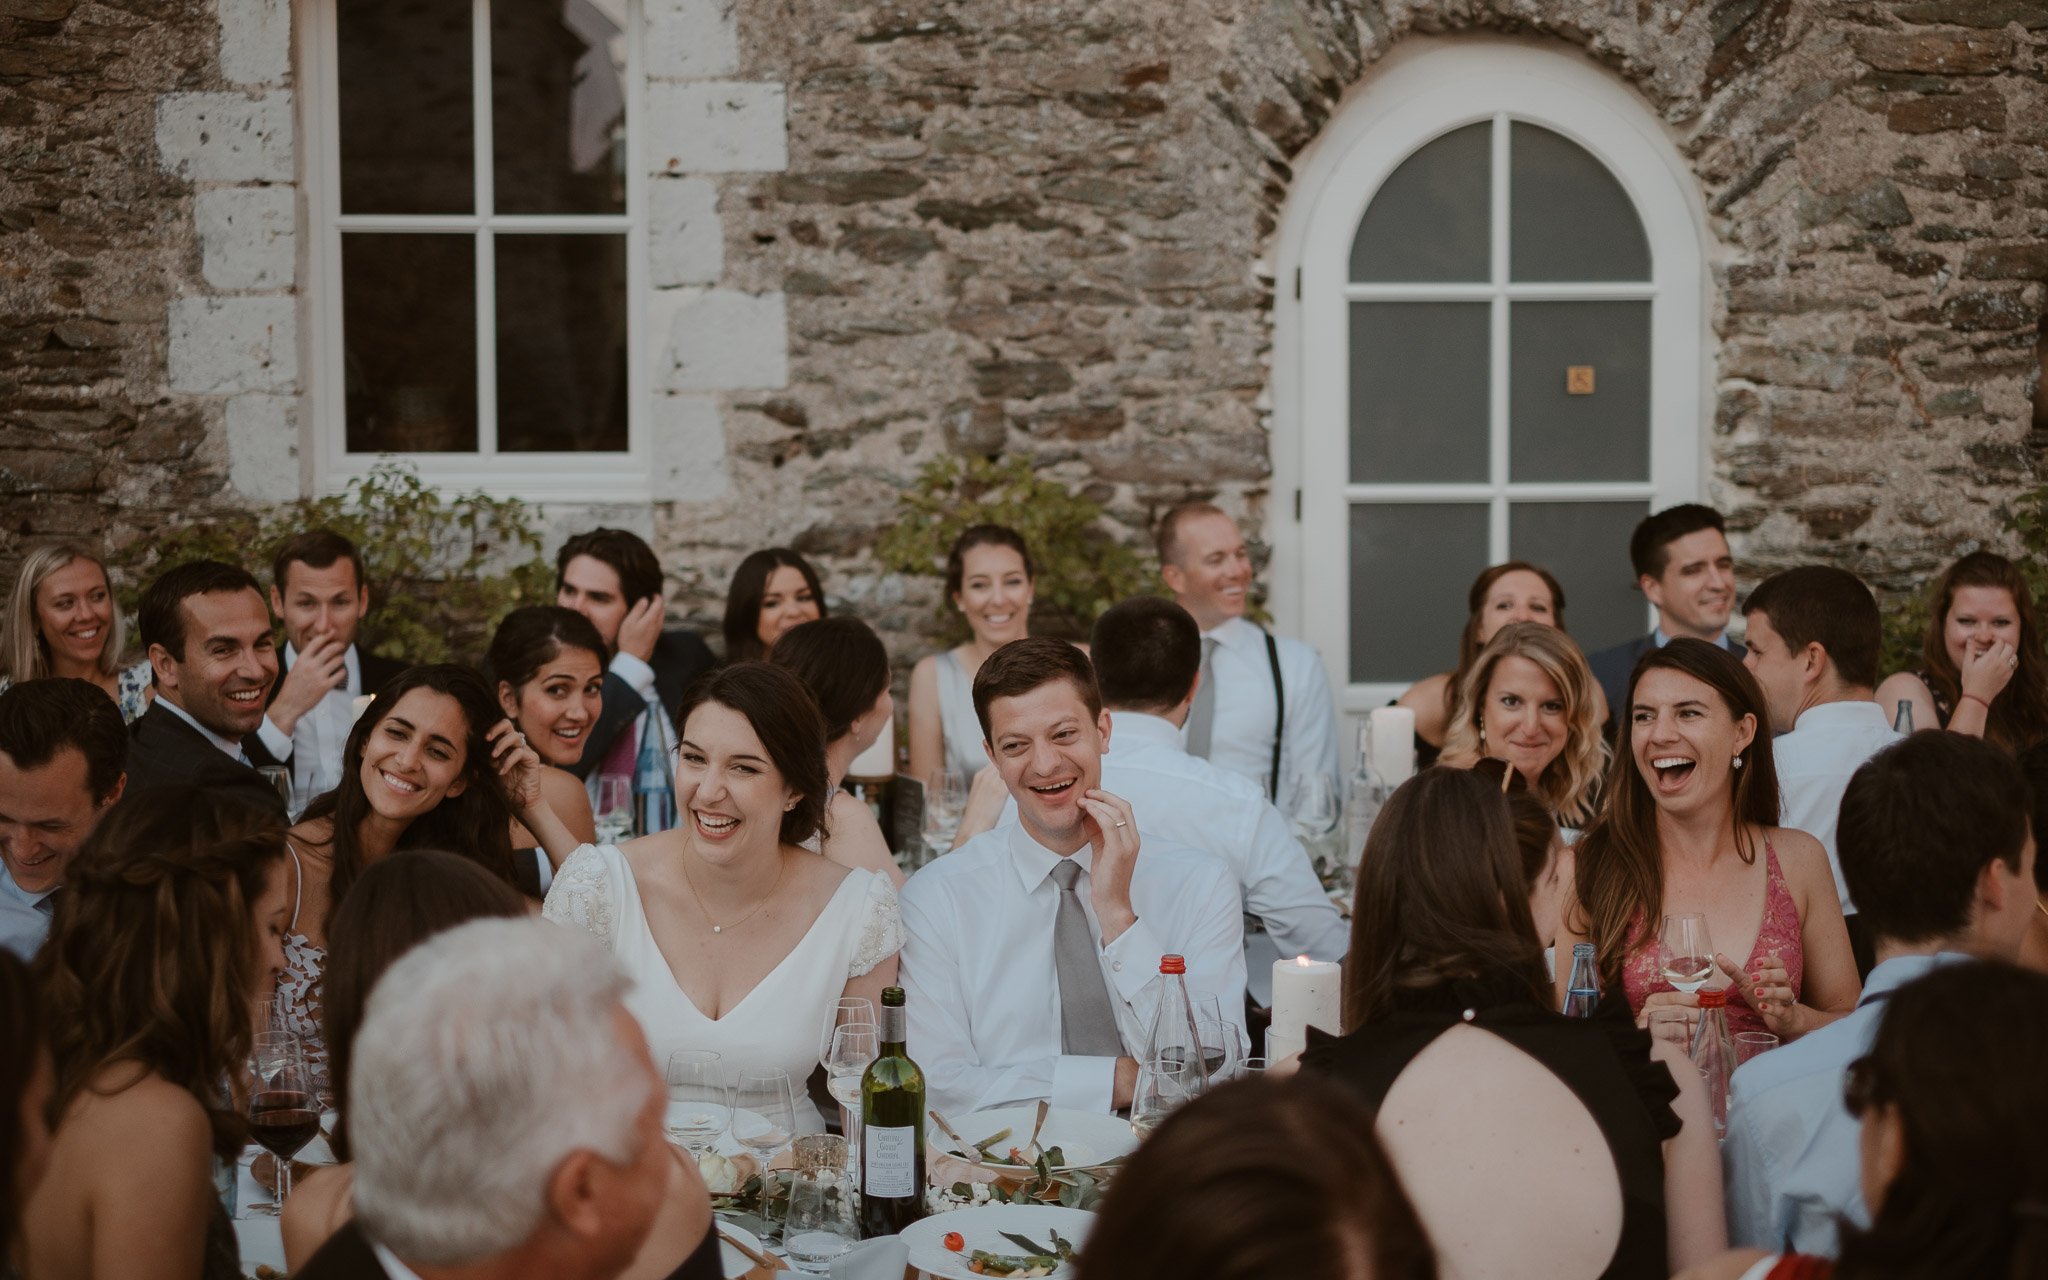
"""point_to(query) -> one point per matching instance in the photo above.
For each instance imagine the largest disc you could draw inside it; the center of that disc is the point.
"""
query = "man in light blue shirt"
(63, 752)
(1936, 849)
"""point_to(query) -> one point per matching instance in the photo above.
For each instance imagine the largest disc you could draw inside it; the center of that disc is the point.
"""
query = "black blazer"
(1613, 667)
(679, 658)
(165, 751)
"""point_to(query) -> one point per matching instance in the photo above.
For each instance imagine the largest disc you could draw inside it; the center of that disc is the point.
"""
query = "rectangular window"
(479, 242)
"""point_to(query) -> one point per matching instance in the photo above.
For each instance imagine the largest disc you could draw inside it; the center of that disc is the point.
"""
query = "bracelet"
(1971, 697)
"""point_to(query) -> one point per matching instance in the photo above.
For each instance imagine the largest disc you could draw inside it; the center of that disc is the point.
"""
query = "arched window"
(1496, 354)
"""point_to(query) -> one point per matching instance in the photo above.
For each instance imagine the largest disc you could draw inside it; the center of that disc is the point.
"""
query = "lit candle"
(360, 705)
(1306, 993)
(1393, 743)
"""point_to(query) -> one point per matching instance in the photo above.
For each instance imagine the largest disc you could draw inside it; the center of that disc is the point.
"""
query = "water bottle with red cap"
(1713, 1052)
(1174, 1037)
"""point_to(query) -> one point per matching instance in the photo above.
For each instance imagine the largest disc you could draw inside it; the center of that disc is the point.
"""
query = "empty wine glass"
(700, 1103)
(611, 808)
(1748, 1044)
(284, 1114)
(1312, 806)
(764, 1112)
(1688, 953)
(1163, 1084)
(945, 802)
(852, 1009)
(269, 1053)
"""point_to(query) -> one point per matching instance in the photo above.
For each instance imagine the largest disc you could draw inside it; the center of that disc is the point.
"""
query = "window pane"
(1586, 545)
(1559, 435)
(406, 118)
(1430, 218)
(558, 106)
(561, 343)
(1569, 219)
(409, 342)
(1411, 564)
(1418, 392)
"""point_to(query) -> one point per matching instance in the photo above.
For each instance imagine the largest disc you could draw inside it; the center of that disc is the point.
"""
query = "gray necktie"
(1087, 1021)
(1202, 716)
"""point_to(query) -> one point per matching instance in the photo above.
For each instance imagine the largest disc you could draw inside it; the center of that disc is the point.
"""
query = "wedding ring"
(1123, 824)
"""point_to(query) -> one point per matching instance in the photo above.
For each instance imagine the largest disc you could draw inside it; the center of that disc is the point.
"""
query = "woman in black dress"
(1597, 1162)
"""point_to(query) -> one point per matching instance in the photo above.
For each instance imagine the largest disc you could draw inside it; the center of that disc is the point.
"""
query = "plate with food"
(1019, 1241)
(1069, 1140)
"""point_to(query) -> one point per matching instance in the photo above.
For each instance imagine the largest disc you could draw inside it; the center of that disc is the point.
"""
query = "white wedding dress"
(785, 1021)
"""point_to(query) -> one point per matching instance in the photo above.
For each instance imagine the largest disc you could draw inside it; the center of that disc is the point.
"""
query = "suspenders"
(1279, 720)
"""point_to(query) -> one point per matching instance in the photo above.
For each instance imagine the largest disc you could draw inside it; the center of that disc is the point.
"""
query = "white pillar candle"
(1393, 743)
(1306, 993)
(879, 760)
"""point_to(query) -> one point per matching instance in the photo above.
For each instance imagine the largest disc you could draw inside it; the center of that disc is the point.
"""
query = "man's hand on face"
(642, 628)
(322, 667)
(1113, 832)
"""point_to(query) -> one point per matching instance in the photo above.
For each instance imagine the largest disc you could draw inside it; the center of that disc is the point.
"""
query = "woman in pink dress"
(1691, 825)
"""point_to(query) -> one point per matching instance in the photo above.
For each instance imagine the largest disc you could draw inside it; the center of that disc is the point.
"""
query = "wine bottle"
(892, 1129)
(1582, 990)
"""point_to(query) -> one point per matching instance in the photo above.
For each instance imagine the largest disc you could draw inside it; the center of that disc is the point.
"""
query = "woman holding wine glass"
(741, 940)
(1690, 828)
(846, 668)
(1531, 701)
(169, 928)
(549, 665)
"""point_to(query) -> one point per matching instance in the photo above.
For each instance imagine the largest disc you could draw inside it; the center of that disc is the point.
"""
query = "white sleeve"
(581, 896)
(275, 740)
(636, 673)
(881, 930)
(1282, 890)
(1311, 745)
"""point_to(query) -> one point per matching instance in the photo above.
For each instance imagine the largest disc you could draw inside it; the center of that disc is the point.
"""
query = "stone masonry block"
(717, 126)
(263, 447)
(689, 449)
(225, 346)
(691, 39)
(255, 41)
(685, 239)
(721, 340)
(245, 237)
(225, 137)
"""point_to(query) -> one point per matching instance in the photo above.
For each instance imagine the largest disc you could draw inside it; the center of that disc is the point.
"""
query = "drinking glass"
(945, 801)
(764, 1112)
(1688, 954)
(280, 779)
(1749, 1044)
(1163, 1084)
(855, 1046)
(700, 1102)
(1254, 1066)
(611, 807)
(1222, 1048)
(854, 1009)
(1674, 1025)
(820, 1226)
(284, 1114)
(269, 1053)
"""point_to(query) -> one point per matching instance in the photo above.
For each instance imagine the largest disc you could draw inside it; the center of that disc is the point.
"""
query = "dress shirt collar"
(1848, 714)
(12, 890)
(1235, 633)
(1033, 862)
(233, 750)
(392, 1266)
(1132, 730)
(1658, 638)
(348, 657)
(1896, 972)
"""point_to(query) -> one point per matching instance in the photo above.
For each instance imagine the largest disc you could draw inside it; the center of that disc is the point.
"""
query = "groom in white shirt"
(1032, 960)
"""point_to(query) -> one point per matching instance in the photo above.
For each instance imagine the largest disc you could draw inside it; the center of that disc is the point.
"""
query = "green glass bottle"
(892, 1129)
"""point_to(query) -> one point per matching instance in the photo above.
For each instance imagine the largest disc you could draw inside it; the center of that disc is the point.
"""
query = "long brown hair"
(23, 1049)
(2019, 715)
(1620, 871)
(1572, 781)
(1261, 1177)
(476, 824)
(1469, 644)
(150, 958)
(1441, 895)
(394, 906)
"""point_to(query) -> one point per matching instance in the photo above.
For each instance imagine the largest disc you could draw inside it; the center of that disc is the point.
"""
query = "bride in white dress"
(740, 941)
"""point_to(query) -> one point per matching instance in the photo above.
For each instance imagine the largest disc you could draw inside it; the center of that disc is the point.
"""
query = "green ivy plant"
(443, 570)
(1082, 568)
(1905, 624)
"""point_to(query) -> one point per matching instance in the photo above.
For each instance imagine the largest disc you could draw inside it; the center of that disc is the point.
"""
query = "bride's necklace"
(782, 865)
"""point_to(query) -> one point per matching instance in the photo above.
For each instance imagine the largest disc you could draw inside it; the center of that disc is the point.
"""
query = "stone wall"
(881, 231)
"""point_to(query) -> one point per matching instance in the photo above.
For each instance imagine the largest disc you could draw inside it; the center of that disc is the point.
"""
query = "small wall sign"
(1578, 380)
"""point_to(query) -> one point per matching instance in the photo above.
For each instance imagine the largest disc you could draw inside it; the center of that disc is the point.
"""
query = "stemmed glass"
(854, 1009)
(612, 808)
(945, 802)
(1163, 1084)
(1688, 954)
(700, 1103)
(283, 1112)
(764, 1112)
(1313, 811)
(1222, 1048)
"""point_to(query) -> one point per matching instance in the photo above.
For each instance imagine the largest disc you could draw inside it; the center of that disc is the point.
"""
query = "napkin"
(883, 1258)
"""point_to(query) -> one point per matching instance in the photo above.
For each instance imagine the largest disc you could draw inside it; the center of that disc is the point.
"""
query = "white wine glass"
(611, 808)
(945, 803)
(1163, 1085)
(854, 1009)
(1688, 953)
(1222, 1048)
(855, 1046)
(764, 1112)
(700, 1103)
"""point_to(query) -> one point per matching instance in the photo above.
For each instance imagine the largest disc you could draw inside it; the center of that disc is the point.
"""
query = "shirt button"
(1117, 965)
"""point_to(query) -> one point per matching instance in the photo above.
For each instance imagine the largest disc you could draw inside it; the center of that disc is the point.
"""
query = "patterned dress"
(1779, 936)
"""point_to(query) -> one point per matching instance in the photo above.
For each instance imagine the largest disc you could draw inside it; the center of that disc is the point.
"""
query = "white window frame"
(560, 477)
(1425, 89)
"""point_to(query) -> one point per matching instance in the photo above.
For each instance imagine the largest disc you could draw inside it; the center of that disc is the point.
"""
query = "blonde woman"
(1530, 700)
(62, 620)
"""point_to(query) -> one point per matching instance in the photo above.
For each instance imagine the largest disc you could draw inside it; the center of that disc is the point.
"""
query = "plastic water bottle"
(1713, 1052)
(1174, 1036)
(654, 794)
(1582, 993)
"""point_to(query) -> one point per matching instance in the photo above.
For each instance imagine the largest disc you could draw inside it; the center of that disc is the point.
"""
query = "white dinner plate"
(735, 1262)
(1083, 1137)
(983, 1227)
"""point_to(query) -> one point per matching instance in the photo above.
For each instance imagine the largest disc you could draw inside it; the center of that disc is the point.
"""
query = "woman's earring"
(1738, 762)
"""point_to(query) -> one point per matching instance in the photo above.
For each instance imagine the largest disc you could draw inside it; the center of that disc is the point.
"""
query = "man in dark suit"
(207, 633)
(1683, 566)
(319, 592)
(612, 578)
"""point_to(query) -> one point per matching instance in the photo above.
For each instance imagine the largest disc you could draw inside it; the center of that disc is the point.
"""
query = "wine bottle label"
(891, 1159)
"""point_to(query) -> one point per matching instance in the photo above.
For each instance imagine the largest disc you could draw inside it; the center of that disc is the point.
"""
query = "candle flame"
(1303, 961)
